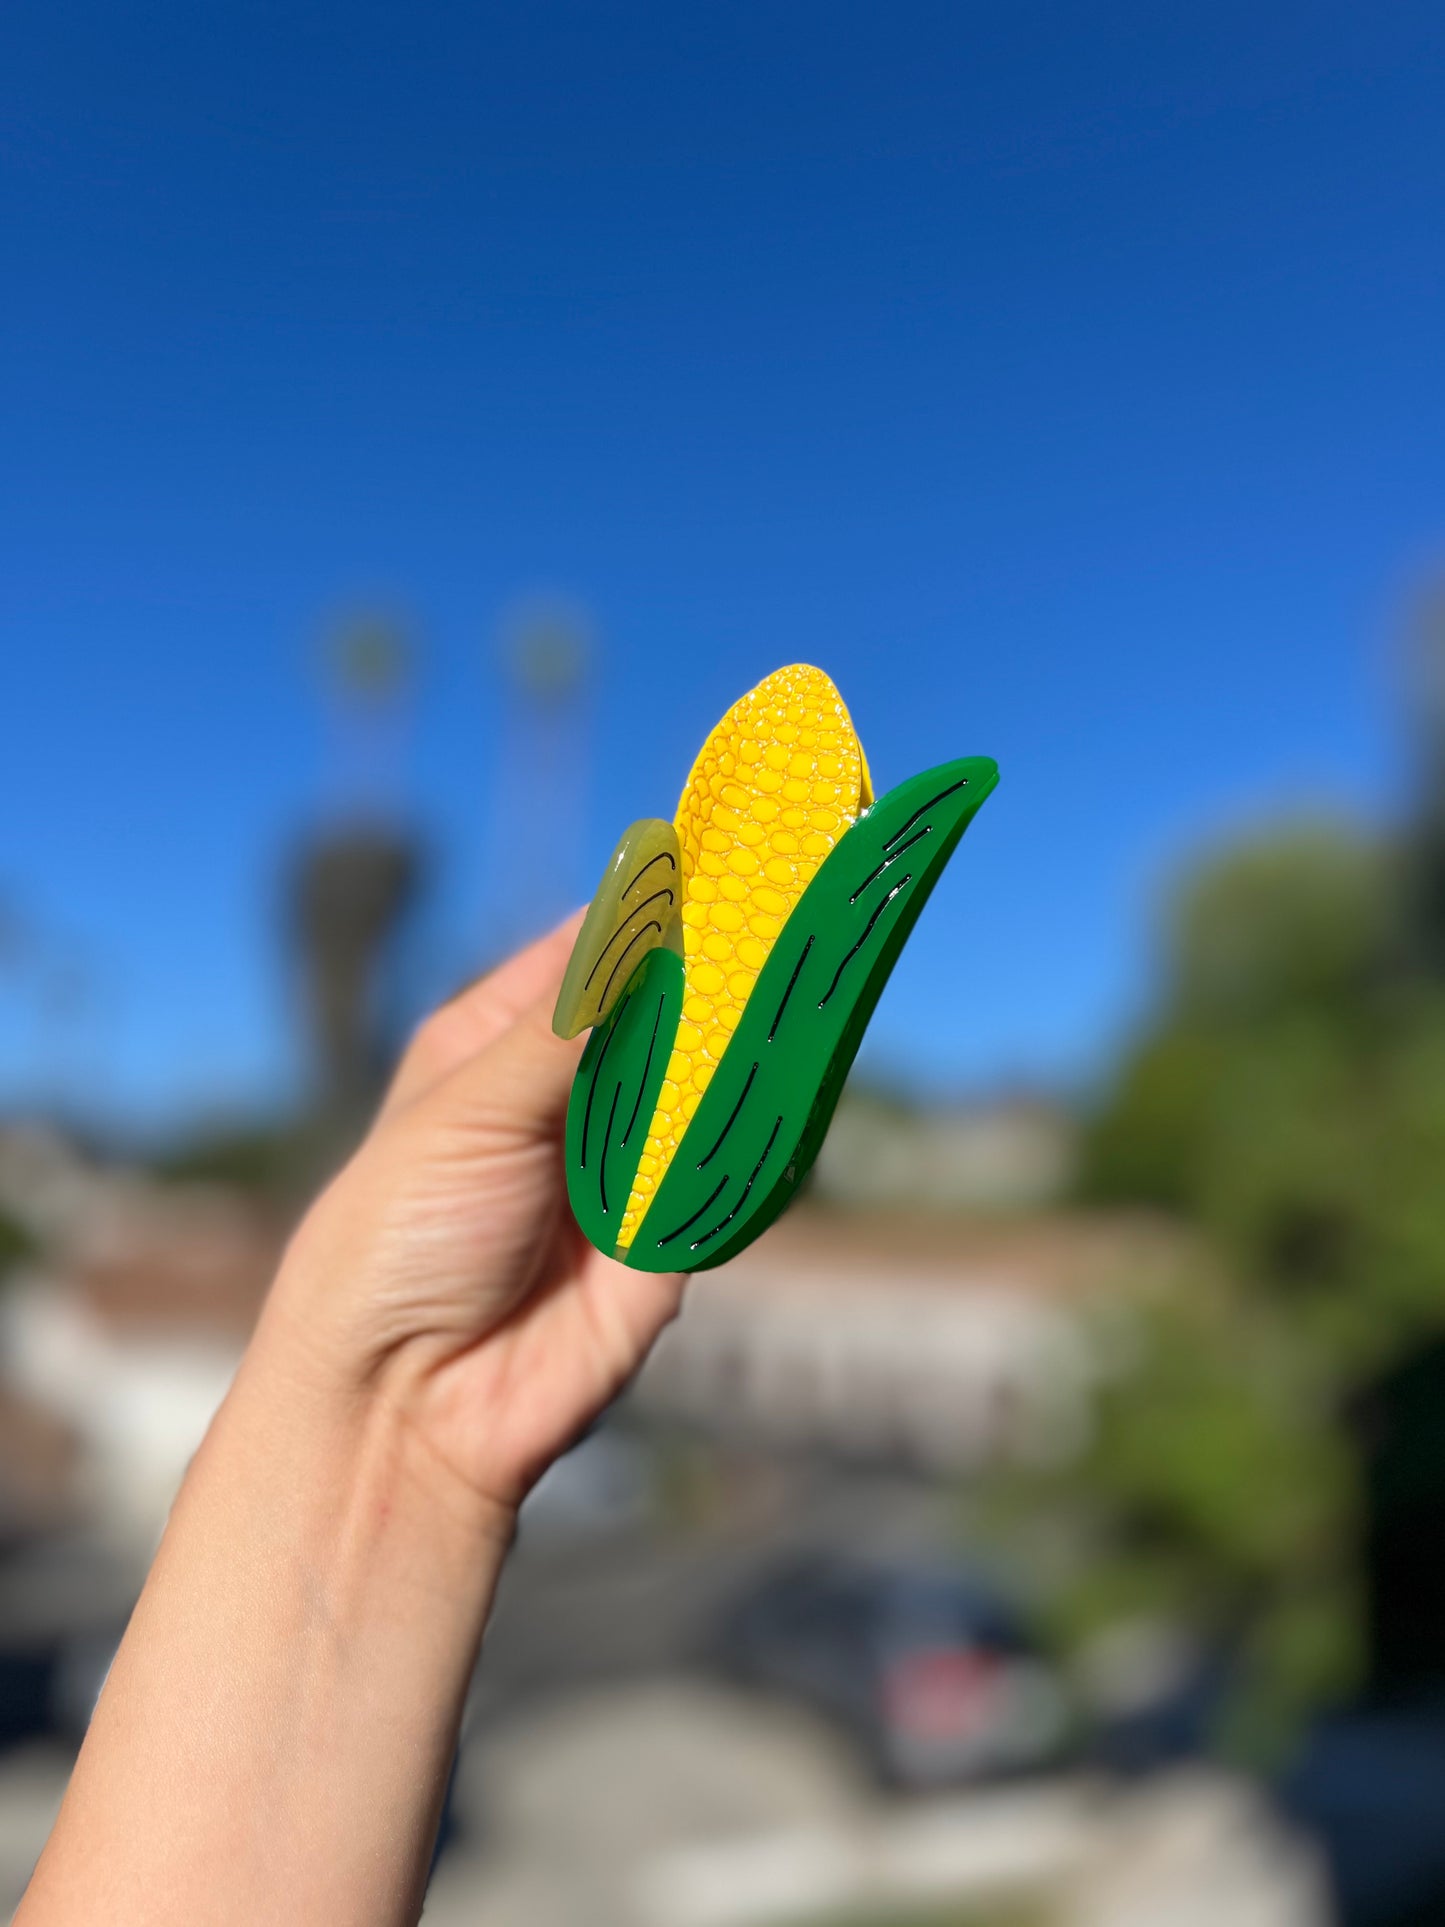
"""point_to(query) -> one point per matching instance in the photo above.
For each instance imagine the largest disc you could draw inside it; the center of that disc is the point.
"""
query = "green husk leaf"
(768, 1106)
(615, 1094)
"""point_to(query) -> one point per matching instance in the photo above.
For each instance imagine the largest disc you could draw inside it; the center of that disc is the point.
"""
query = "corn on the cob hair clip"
(728, 967)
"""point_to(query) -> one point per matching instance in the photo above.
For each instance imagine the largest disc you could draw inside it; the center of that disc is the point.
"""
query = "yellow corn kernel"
(776, 784)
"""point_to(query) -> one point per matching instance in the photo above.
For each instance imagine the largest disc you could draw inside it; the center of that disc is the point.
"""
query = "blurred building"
(1019, 1153)
(38, 1454)
(942, 1341)
(119, 1337)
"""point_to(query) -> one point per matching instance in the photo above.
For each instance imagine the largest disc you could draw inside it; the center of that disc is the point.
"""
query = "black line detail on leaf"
(651, 924)
(961, 784)
(663, 856)
(652, 1046)
(690, 1222)
(873, 875)
(596, 1073)
(636, 910)
(732, 1119)
(607, 1146)
(752, 1179)
(867, 933)
(778, 1015)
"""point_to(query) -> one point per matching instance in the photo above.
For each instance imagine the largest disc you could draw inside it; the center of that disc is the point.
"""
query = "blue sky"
(1066, 380)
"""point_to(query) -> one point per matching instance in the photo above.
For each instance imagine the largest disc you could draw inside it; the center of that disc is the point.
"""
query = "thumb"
(519, 1084)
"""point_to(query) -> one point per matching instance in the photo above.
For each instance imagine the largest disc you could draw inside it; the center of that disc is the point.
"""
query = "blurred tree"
(1299, 920)
(371, 657)
(546, 652)
(1290, 1094)
(15, 1244)
(1425, 847)
(351, 891)
(1288, 1098)
(547, 649)
(14, 937)
(353, 884)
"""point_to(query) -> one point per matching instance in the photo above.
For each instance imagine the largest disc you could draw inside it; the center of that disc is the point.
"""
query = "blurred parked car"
(1152, 1695)
(1369, 1785)
(933, 1675)
(64, 1602)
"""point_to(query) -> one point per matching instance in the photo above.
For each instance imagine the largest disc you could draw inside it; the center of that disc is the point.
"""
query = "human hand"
(274, 1737)
(442, 1274)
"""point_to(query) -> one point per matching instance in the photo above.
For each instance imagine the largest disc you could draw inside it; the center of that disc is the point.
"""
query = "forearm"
(274, 1740)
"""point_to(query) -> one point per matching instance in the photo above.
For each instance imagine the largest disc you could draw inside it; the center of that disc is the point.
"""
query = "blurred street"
(614, 1770)
(665, 1800)
(721, 1815)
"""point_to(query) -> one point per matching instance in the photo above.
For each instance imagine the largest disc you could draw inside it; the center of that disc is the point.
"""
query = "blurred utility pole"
(546, 657)
(355, 880)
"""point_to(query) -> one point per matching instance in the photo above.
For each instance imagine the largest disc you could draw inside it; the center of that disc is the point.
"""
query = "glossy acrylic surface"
(729, 967)
(775, 785)
(615, 1094)
(635, 909)
(766, 1111)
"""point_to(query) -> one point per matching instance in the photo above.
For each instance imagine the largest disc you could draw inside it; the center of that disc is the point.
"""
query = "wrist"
(311, 1622)
(350, 1420)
